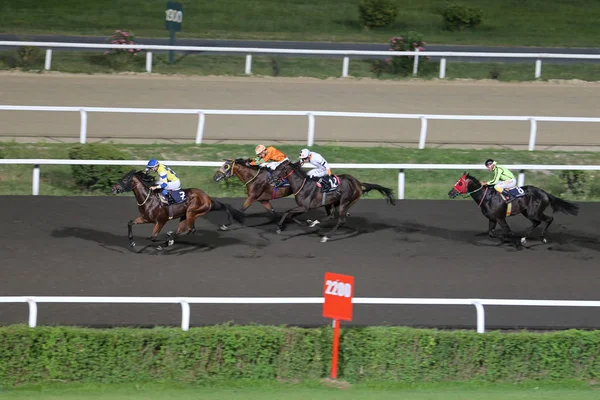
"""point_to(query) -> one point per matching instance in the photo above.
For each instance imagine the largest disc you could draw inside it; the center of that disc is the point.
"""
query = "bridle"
(226, 169)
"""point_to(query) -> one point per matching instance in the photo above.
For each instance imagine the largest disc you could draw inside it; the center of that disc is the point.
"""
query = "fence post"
(149, 61)
(538, 68)
(345, 67)
(200, 131)
(33, 311)
(36, 180)
(423, 135)
(185, 315)
(443, 68)
(48, 60)
(521, 180)
(480, 316)
(248, 70)
(416, 63)
(401, 184)
(311, 129)
(532, 134)
(83, 128)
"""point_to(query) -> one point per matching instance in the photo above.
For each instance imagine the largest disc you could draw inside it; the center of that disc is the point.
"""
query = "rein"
(147, 197)
(290, 174)
(477, 190)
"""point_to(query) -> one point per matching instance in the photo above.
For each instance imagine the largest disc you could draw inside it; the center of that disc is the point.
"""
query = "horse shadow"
(354, 226)
(200, 241)
(558, 241)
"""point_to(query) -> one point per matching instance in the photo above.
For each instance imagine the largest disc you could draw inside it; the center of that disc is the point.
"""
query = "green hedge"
(390, 354)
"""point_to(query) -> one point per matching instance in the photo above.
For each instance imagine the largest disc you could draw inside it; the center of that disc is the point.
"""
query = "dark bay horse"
(256, 181)
(196, 203)
(309, 196)
(531, 205)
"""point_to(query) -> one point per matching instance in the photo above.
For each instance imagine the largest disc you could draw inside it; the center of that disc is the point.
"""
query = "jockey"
(168, 179)
(321, 166)
(268, 157)
(503, 178)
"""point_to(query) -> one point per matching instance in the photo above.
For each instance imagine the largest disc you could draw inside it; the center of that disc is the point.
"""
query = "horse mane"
(469, 176)
(297, 166)
(243, 161)
(145, 178)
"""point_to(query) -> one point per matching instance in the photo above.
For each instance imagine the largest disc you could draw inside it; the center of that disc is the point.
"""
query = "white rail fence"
(399, 167)
(345, 53)
(202, 113)
(185, 302)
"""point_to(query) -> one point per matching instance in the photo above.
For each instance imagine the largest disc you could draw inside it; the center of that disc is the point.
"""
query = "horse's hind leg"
(491, 227)
(342, 213)
(548, 220)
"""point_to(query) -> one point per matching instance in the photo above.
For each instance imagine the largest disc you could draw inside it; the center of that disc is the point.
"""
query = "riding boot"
(324, 182)
(163, 199)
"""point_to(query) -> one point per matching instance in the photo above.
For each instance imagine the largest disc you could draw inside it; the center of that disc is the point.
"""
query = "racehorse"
(531, 205)
(256, 181)
(196, 203)
(308, 194)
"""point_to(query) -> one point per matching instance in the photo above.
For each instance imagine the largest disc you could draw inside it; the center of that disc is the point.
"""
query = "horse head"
(125, 184)
(465, 185)
(225, 172)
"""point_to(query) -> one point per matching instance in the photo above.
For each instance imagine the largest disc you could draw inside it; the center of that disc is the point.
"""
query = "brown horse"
(256, 181)
(196, 203)
(309, 196)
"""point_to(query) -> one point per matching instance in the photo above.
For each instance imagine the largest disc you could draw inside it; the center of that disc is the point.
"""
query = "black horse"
(309, 196)
(532, 205)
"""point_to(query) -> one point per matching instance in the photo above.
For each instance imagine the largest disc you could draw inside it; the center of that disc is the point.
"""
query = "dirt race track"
(78, 246)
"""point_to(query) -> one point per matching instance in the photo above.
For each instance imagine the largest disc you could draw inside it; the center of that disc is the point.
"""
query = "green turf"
(302, 391)
(420, 184)
(510, 22)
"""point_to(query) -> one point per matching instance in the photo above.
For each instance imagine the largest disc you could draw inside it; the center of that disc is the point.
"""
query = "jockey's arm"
(497, 174)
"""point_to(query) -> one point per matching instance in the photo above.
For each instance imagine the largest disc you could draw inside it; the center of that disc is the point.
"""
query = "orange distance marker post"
(337, 292)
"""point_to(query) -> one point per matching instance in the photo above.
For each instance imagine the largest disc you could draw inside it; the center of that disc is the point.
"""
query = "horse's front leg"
(289, 213)
(138, 220)
(158, 225)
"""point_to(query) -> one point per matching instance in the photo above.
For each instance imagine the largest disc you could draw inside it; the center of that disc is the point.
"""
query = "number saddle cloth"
(513, 193)
(176, 197)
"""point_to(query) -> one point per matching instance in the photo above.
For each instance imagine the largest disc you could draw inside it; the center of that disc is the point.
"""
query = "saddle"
(511, 194)
(175, 197)
(328, 183)
(282, 183)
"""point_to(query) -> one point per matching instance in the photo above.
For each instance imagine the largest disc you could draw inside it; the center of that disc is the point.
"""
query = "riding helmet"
(489, 162)
(152, 163)
(304, 153)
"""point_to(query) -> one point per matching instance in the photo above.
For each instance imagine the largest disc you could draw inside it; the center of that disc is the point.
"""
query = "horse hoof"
(523, 240)
(170, 242)
(324, 239)
(347, 214)
(544, 240)
(278, 231)
(159, 248)
(223, 227)
(314, 223)
(170, 233)
(132, 244)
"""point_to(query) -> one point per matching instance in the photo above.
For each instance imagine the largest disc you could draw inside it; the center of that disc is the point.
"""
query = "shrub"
(121, 58)
(96, 177)
(412, 41)
(458, 17)
(28, 56)
(377, 13)
(575, 182)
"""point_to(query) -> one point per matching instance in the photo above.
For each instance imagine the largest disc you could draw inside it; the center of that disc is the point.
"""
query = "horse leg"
(342, 212)
(548, 220)
(504, 225)
(138, 220)
(534, 224)
(289, 213)
(491, 227)
(267, 205)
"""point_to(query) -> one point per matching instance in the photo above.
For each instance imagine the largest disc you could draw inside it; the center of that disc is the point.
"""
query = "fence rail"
(202, 113)
(346, 53)
(399, 167)
(185, 302)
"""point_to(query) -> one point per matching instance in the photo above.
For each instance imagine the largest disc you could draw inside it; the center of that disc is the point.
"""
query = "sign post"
(173, 20)
(337, 292)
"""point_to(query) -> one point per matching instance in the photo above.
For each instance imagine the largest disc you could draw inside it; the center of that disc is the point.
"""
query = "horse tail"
(563, 205)
(238, 215)
(387, 192)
